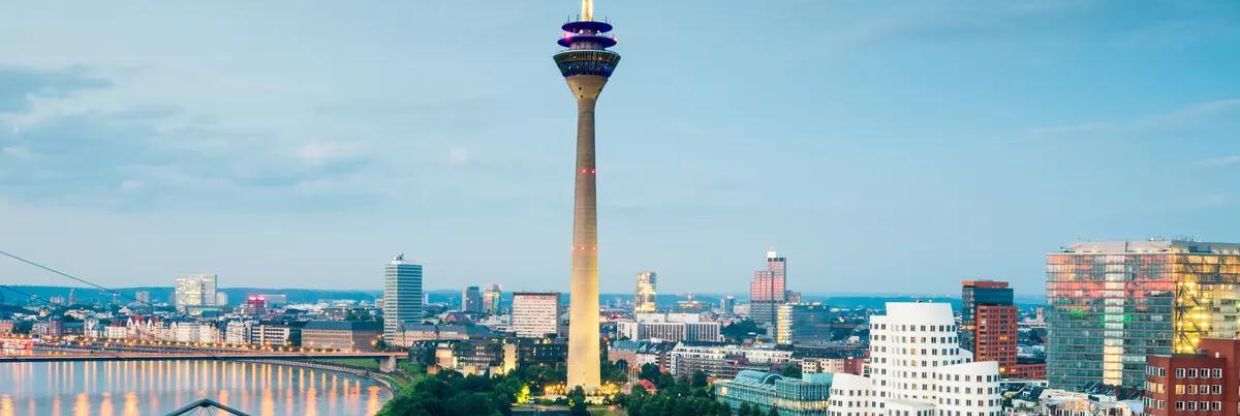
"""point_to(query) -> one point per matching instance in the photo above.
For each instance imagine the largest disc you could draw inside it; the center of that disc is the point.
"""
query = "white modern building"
(669, 327)
(196, 290)
(237, 332)
(724, 361)
(536, 314)
(917, 368)
(402, 297)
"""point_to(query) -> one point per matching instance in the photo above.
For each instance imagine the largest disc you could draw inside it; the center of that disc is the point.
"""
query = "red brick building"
(988, 323)
(995, 338)
(1205, 383)
(1028, 369)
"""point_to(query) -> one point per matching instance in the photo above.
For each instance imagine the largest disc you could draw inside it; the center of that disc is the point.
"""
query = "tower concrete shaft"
(586, 65)
(583, 331)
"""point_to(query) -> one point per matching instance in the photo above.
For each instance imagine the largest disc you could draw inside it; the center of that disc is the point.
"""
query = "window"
(1218, 373)
(1179, 373)
(1192, 373)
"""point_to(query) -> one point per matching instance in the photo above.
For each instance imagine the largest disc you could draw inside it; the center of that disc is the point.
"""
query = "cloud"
(1221, 161)
(458, 155)
(15, 152)
(19, 86)
(148, 155)
(1211, 119)
(320, 153)
(944, 20)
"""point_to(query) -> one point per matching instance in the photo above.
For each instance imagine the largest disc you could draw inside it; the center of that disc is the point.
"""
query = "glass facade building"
(807, 396)
(471, 300)
(643, 296)
(192, 291)
(768, 289)
(1111, 304)
(803, 322)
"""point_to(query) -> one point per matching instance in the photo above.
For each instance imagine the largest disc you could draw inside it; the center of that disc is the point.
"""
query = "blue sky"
(894, 147)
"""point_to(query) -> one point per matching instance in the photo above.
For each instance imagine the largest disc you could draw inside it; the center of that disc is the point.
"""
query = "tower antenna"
(587, 10)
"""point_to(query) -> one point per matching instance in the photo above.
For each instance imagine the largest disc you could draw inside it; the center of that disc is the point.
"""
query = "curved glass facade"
(587, 62)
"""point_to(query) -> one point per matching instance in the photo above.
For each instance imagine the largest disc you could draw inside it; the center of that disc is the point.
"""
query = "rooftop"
(1150, 247)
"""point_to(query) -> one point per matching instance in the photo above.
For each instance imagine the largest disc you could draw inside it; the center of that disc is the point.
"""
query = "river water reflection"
(158, 387)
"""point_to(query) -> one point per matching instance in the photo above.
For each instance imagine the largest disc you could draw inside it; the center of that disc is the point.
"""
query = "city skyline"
(278, 167)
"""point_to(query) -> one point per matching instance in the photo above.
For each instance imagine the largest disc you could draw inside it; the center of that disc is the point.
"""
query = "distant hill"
(236, 295)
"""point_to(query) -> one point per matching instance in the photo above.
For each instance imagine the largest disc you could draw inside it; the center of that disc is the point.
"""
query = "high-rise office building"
(402, 297)
(768, 290)
(256, 305)
(536, 314)
(195, 291)
(643, 297)
(492, 300)
(728, 304)
(803, 322)
(918, 368)
(471, 300)
(586, 65)
(988, 323)
(1111, 304)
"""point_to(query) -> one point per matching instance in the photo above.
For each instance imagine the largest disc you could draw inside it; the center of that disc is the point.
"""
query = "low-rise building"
(237, 332)
(536, 314)
(276, 334)
(724, 360)
(430, 332)
(673, 327)
(1202, 383)
(636, 354)
(1028, 368)
(806, 396)
(349, 336)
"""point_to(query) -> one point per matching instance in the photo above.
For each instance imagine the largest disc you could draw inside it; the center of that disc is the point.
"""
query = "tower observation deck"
(586, 64)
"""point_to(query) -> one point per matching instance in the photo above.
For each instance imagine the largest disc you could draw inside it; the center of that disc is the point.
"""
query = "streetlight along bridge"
(387, 361)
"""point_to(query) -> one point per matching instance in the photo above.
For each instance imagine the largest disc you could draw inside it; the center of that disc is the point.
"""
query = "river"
(157, 387)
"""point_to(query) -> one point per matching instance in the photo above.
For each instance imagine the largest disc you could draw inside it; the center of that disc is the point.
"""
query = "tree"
(791, 369)
(577, 402)
(738, 331)
(698, 379)
(650, 372)
(773, 412)
(744, 410)
(615, 373)
(639, 391)
(381, 344)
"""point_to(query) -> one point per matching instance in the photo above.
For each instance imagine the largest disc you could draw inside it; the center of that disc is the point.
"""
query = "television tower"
(586, 65)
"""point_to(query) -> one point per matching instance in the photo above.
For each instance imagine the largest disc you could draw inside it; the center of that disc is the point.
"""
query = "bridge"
(387, 361)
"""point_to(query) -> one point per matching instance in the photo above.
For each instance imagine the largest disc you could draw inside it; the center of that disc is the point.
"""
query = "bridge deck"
(101, 356)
